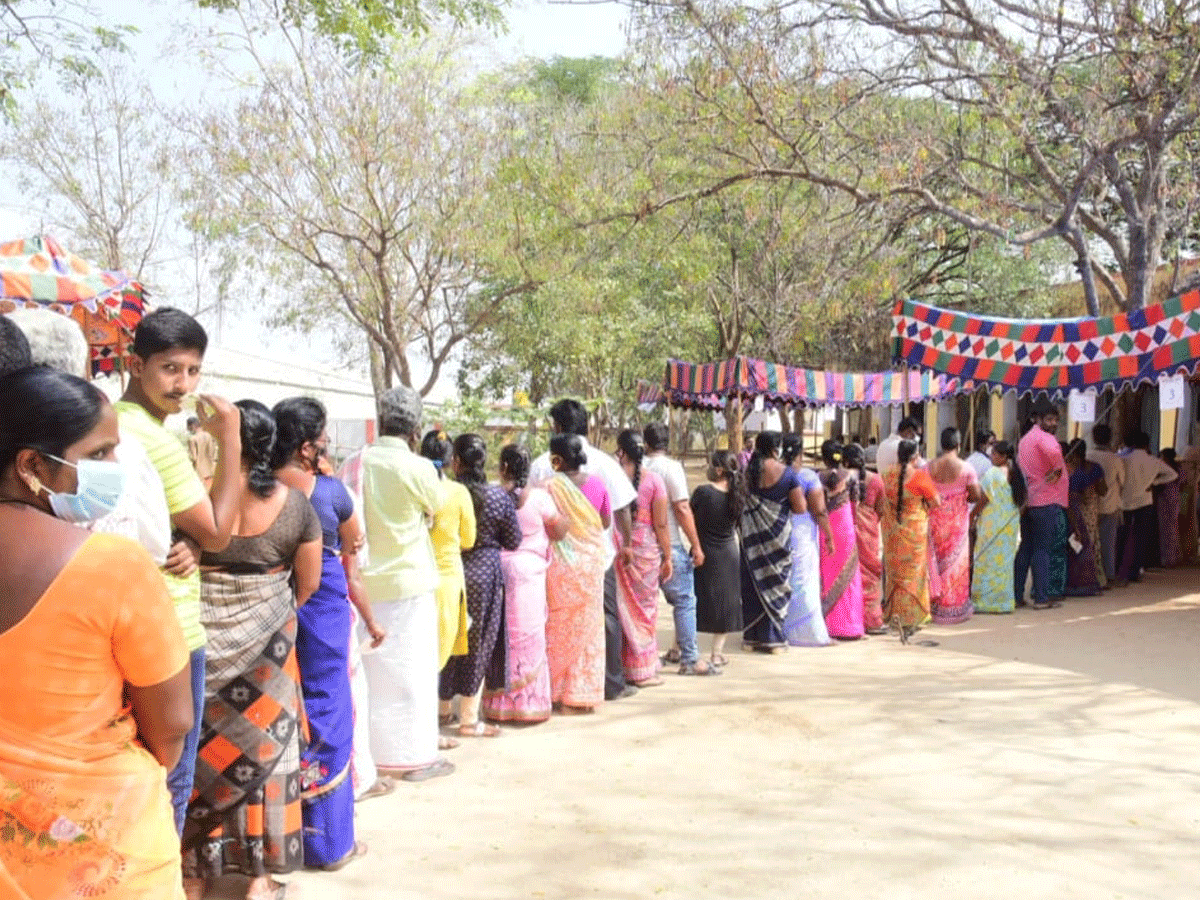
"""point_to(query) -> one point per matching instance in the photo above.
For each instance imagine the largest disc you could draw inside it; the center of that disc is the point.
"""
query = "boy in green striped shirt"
(168, 350)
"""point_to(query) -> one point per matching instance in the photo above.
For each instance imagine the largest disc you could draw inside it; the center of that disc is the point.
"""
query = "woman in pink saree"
(841, 581)
(526, 693)
(949, 532)
(640, 573)
(575, 581)
(870, 549)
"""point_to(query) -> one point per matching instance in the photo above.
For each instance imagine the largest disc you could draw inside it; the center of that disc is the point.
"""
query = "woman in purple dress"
(496, 529)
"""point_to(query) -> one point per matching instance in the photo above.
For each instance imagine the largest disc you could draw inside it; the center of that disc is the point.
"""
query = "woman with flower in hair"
(496, 529)
(526, 694)
(453, 532)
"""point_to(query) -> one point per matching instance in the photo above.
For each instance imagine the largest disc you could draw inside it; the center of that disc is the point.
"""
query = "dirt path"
(1041, 755)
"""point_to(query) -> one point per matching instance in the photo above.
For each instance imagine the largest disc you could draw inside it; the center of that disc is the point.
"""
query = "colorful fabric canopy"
(1051, 355)
(706, 385)
(37, 272)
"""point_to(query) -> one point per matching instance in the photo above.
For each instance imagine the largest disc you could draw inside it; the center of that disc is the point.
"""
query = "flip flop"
(382, 787)
(479, 729)
(699, 668)
(435, 769)
(359, 849)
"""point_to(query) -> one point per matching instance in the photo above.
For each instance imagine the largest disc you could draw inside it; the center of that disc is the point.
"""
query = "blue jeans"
(179, 781)
(1038, 528)
(680, 592)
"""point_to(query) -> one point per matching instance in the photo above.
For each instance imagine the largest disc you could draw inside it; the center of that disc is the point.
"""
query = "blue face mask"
(101, 484)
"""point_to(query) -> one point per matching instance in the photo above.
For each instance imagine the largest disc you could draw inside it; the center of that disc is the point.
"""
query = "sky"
(535, 29)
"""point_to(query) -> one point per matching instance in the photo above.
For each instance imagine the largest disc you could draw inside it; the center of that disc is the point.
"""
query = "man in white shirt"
(885, 457)
(1142, 472)
(1110, 504)
(570, 417)
(680, 588)
(981, 459)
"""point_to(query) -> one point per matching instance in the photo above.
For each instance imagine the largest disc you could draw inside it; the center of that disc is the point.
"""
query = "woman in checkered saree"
(245, 813)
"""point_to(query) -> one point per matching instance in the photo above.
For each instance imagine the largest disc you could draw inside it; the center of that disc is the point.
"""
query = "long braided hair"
(766, 445)
(471, 452)
(856, 458)
(514, 463)
(904, 454)
(633, 446)
(725, 465)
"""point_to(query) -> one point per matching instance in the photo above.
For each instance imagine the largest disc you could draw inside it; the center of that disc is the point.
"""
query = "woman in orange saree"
(95, 699)
(910, 494)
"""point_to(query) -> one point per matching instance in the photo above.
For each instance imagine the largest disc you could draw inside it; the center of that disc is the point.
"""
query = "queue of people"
(215, 656)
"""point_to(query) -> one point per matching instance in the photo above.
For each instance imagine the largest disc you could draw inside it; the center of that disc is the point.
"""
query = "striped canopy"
(707, 385)
(1052, 355)
(37, 272)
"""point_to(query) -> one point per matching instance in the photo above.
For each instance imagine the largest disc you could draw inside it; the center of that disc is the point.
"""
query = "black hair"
(258, 446)
(724, 461)
(1076, 448)
(792, 447)
(471, 452)
(569, 448)
(630, 443)
(951, 439)
(1168, 456)
(168, 329)
(908, 423)
(767, 444)
(298, 421)
(982, 436)
(192, 420)
(904, 453)
(1016, 478)
(14, 347)
(831, 453)
(855, 457)
(514, 462)
(46, 410)
(1042, 407)
(1141, 441)
(657, 436)
(437, 447)
(1102, 435)
(570, 417)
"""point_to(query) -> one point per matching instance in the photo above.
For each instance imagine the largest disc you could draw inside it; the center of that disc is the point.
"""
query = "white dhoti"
(402, 678)
(362, 765)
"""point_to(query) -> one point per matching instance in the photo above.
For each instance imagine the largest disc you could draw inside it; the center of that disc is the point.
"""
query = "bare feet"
(194, 888)
(267, 888)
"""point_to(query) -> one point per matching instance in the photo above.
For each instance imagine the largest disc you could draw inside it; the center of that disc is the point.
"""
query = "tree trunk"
(733, 423)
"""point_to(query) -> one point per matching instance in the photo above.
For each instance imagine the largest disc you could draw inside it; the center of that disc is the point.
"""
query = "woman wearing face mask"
(96, 699)
(323, 637)
(245, 811)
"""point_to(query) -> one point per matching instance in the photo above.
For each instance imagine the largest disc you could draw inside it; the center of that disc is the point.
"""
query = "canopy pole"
(971, 418)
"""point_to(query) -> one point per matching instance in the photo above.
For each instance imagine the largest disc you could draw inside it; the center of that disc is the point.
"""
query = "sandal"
(479, 729)
(719, 659)
(446, 743)
(672, 657)
(447, 719)
(435, 769)
(359, 849)
(700, 667)
(381, 788)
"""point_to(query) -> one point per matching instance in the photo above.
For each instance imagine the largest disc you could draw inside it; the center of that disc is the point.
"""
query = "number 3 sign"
(1170, 393)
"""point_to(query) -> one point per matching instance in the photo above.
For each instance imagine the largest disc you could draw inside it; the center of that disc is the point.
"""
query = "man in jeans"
(1043, 531)
(680, 589)
(1110, 503)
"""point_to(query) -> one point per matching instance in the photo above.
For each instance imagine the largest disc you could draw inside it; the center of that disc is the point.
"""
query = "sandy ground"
(1048, 754)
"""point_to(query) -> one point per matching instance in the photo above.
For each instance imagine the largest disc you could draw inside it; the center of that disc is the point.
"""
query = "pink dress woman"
(949, 538)
(841, 581)
(526, 694)
(637, 586)
(870, 557)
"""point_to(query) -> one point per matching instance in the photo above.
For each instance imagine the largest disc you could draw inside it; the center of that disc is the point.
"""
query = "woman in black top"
(717, 507)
